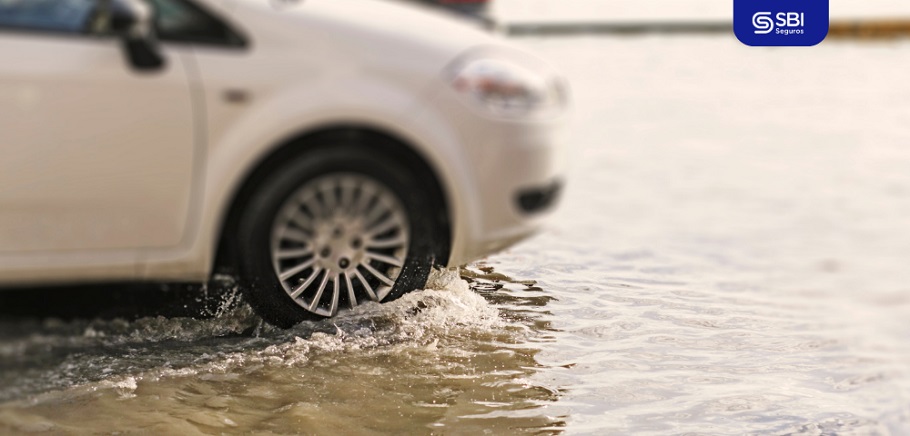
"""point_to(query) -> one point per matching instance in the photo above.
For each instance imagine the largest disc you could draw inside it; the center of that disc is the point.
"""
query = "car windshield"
(56, 15)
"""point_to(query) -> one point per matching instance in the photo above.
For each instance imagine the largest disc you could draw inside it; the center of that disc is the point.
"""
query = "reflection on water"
(432, 361)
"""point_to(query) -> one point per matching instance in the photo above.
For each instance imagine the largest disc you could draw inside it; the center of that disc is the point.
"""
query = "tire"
(318, 232)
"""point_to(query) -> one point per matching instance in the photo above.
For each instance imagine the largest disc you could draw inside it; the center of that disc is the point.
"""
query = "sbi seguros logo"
(780, 22)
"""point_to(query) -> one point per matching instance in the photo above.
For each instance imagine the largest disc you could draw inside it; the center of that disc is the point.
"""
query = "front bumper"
(539, 199)
(504, 175)
(519, 171)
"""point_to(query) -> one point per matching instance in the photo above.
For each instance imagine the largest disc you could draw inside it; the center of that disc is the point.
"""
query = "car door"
(94, 155)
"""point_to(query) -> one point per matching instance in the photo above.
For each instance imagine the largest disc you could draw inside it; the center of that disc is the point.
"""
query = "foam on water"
(447, 343)
(446, 309)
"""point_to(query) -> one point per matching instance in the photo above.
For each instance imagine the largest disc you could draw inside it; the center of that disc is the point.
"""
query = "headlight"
(507, 89)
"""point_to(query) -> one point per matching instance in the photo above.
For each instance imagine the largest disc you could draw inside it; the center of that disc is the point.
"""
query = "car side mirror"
(134, 22)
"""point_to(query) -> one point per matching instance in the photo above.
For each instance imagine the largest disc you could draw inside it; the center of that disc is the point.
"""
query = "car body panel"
(87, 169)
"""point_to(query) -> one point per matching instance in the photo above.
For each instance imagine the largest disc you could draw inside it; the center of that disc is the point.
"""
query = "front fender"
(294, 113)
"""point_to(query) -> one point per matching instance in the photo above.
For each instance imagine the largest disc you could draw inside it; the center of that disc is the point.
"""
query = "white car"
(327, 152)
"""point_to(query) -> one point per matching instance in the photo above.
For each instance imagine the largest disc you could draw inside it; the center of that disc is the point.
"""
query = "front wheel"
(332, 229)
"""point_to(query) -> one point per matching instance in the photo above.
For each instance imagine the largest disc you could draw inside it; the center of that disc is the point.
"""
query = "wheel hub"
(339, 237)
(342, 248)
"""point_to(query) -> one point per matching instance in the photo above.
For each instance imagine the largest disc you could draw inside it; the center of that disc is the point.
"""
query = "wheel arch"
(314, 139)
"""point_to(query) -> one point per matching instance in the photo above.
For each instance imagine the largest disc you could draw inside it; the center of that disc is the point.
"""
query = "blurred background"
(519, 11)
(731, 257)
(735, 234)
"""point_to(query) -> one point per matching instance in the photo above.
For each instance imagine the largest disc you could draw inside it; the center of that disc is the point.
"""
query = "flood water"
(731, 257)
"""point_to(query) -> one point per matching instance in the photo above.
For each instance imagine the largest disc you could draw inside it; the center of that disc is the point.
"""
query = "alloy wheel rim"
(340, 239)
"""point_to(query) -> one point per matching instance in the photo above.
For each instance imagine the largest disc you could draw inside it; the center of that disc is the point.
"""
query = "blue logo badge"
(780, 22)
